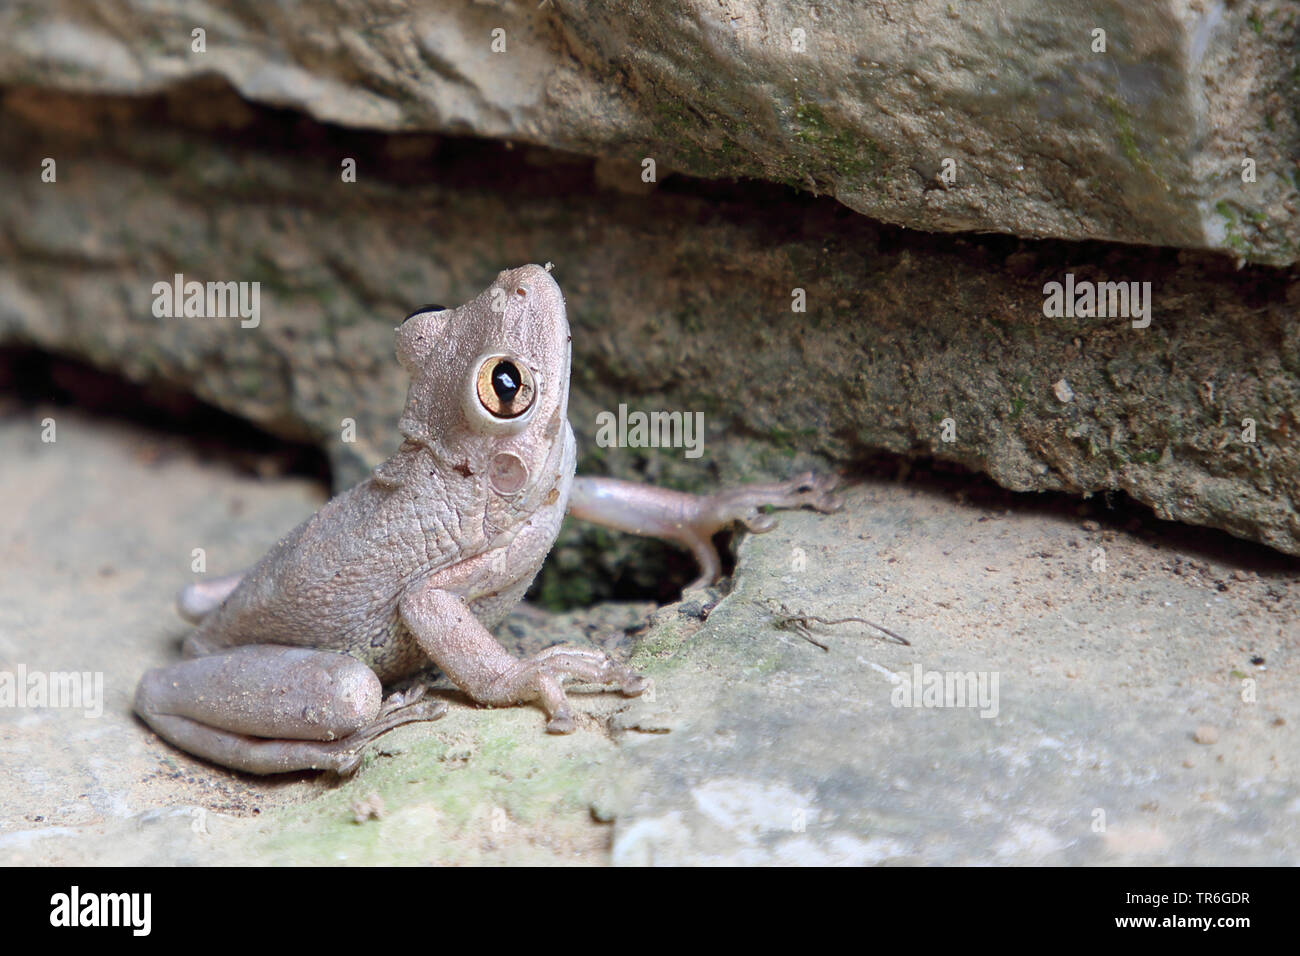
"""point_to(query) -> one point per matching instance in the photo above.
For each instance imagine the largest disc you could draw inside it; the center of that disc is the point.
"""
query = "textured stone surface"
(681, 300)
(756, 746)
(1147, 709)
(1109, 649)
(1143, 142)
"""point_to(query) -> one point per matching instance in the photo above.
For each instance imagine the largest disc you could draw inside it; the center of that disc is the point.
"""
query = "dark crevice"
(1112, 510)
(30, 377)
(643, 569)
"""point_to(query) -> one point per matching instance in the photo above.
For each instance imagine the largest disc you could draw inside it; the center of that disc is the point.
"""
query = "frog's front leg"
(447, 630)
(693, 520)
(265, 708)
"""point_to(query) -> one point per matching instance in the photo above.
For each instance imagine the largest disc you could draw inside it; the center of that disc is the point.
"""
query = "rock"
(1205, 734)
(369, 807)
(1165, 123)
(686, 301)
(783, 753)
(755, 745)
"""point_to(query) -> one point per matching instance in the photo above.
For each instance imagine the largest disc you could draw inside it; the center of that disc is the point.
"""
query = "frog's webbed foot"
(476, 662)
(693, 520)
(745, 504)
(264, 708)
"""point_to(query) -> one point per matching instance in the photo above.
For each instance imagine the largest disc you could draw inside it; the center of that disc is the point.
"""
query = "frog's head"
(489, 386)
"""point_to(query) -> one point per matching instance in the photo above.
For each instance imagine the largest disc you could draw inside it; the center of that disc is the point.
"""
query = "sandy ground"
(1141, 700)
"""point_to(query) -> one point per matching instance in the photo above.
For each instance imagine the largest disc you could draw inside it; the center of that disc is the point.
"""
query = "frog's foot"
(270, 709)
(693, 520)
(542, 677)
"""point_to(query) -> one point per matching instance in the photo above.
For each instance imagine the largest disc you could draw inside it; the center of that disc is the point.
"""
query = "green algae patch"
(479, 786)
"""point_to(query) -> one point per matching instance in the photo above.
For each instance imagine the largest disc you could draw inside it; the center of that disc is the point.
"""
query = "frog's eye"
(504, 386)
(422, 309)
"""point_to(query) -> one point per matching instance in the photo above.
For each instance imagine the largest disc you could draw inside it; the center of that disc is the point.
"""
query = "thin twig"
(801, 623)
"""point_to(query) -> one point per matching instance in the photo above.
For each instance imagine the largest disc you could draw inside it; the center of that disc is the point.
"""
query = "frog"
(414, 566)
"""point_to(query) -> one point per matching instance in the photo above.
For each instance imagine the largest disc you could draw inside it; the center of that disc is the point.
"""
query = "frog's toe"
(347, 764)
(634, 685)
(561, 723)
(756, 522)
(816, 492)
(404, 698)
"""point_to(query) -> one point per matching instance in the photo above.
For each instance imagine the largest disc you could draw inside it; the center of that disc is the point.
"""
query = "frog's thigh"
(268, 709)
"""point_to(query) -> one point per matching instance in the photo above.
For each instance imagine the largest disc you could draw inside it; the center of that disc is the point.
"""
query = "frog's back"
(334, 582)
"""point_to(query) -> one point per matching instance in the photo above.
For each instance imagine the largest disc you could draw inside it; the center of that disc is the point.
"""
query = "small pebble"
(1205, 734)
(370, 807)
(1091, 525)
(1063, 391)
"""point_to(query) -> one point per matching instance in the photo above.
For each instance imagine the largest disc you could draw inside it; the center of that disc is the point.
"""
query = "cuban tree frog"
(417, 563)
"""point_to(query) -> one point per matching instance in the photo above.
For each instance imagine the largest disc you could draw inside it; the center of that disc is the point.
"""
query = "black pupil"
(505, 381)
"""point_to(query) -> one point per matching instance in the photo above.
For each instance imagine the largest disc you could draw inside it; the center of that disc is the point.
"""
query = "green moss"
(249, 382)
(729, 154)
(663, 641)
(690, 320)
(681, 130)
(450, 802)
(848, 154)
(764, 666)
(1232, 233)
(1255, 22)
(791, 439)
(1123, 120)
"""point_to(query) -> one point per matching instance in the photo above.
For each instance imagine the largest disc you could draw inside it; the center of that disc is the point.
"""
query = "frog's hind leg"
(264, 708)
(196, 601)
(692, 520)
